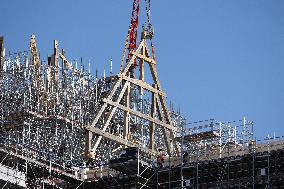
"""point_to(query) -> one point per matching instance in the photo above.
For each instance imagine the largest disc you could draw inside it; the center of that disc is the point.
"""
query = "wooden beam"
(67, 63)
(141, 84)
(126, 85)
(88, 143)
(138, 114)
(147, 59)
(165, 133)
(141, 69)
(130, 62)
(118, 139)
(152, 124)
(126, 113)
(55, 61)
(35, 61)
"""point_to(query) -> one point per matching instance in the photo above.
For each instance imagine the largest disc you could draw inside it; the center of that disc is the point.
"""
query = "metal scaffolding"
(61, 127)
(60, 117)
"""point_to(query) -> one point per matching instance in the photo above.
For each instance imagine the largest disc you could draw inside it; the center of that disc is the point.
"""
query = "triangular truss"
(119, 99)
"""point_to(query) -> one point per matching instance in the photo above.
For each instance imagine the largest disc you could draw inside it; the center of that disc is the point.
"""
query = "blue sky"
(220, 59)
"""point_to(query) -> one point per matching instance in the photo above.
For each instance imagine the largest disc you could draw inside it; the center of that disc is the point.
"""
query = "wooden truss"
(159, 116)
(53, 64)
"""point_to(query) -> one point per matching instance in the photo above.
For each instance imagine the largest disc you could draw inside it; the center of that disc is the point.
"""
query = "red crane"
(131, 39)
(133, 27)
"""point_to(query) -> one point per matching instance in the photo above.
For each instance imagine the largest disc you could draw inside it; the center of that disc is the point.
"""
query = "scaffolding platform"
(199, 136)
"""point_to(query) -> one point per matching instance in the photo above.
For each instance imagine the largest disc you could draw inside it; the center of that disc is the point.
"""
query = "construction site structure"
(61, 127)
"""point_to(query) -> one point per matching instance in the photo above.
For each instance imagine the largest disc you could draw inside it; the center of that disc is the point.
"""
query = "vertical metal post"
(268, 163)
(169, 171)
(157, 178)
(197, 169)
(253, 168)
(244, 131)
(235, 136)
(182, 160)
(220, 139)
(2, 52)
(138, 166)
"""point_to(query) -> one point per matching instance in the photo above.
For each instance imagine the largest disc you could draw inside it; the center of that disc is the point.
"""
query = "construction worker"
(160, 158)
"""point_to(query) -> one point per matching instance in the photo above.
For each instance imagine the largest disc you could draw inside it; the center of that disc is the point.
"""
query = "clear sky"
(220, 59)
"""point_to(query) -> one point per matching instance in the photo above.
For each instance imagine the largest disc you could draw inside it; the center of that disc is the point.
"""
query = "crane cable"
(131, 38)
(148, 8)
(149, 26)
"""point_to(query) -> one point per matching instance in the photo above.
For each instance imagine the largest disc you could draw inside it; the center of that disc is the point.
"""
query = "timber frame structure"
(159, 114)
